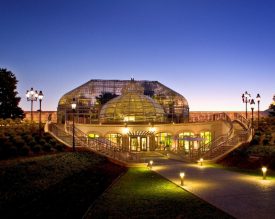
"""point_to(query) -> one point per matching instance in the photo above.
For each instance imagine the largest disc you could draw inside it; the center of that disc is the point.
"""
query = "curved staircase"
(240, 132)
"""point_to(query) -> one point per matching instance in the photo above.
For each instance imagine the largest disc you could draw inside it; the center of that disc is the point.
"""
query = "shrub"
(12, 151)
(47, 147)
(52, 142)
(25, 150)
(42, 142)
(255, 140)
(36, 148)
(47, 137)
(3, 140)
(19, 142)
(60, 147)
(266, 141)
(36, 138)
(31, 143)
(28, 138)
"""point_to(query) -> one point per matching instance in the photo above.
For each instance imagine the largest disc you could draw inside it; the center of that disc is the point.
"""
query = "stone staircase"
(240, 132)
(99, 145)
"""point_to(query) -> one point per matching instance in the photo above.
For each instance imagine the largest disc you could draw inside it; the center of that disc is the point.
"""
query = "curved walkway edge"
(240, 195)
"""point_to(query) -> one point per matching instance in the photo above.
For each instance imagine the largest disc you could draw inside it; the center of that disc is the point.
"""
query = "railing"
(103, 146)
(224, 146)
(210, 117)
(224, 143)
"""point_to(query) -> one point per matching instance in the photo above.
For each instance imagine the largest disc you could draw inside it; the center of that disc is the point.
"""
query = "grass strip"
(141, 193)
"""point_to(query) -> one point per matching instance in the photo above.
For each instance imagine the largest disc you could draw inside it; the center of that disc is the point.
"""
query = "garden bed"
(63, 185)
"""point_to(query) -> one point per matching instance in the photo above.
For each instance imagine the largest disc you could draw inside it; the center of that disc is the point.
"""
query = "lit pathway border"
(240, 195)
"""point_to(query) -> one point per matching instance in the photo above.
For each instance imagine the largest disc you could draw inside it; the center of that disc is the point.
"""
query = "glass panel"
(183, 144)
(134, 143)
(93, 135)
(143, 144)
(115, 138)
(207, 138)
(164, 140)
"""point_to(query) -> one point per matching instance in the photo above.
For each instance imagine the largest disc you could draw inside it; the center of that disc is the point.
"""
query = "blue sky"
(210, 51)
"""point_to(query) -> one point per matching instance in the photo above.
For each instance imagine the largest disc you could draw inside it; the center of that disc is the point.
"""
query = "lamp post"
(31, 96)
(201, 161)
(258, 98)
(252, 105)
(264, 169)
(151, 164)
(40, 97)
(246, 100)
(182, 174)
(73, 108)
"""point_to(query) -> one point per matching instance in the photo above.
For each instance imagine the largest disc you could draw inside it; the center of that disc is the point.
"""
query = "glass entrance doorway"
(138, 143)
(143, 143)
(134, 143)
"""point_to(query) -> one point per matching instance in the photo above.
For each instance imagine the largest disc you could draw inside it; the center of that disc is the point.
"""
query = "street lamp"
(40, 97)
(246, 100)
(31, 96)
(252, 105)
(73, 108)
(258, 98)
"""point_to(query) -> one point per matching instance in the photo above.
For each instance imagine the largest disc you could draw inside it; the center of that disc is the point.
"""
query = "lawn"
(61, 185)
(141, 193)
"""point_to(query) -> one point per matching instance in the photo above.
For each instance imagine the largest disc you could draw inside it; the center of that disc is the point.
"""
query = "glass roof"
(132, 106)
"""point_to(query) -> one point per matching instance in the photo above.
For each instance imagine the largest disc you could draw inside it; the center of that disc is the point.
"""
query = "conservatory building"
(136, 116)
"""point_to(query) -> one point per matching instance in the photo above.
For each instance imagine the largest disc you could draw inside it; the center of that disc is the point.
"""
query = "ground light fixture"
(264, 170)
(150, 164)
(73, 108)
(201, 161)
(182, 175)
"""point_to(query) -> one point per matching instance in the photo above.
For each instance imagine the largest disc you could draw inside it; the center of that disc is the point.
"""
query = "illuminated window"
(183, 143)
(164, 140)
(207, 137)
(115, 138)
(93, 135)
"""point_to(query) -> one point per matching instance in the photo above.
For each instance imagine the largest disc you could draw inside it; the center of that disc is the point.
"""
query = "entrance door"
(134, 143)
(143, 143)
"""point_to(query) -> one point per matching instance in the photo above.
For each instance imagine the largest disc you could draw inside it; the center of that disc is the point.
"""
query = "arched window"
(207, 137)
(163, 140)
(93, 135)
(183, 143)
(115, 138)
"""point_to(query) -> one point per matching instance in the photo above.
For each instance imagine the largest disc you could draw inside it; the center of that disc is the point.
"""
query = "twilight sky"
(210, 51)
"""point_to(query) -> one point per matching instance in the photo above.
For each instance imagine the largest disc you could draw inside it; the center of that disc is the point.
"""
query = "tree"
(8, 100)
(104, 97)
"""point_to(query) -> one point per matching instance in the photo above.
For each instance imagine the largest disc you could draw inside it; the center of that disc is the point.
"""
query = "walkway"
(240, 195)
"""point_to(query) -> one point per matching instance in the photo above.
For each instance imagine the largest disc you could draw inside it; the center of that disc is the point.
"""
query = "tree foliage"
(104, 97)
(8, 96)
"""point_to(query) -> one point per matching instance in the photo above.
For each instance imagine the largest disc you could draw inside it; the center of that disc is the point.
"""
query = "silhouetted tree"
(104, 97)
(8, 100)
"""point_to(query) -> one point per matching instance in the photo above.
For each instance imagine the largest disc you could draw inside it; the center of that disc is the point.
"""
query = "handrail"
(229, 139)
(103, 145)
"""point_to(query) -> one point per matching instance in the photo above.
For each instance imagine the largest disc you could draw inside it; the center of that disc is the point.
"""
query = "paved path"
(240, 195)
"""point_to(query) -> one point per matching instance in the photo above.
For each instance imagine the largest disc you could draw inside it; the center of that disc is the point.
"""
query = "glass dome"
(132, 107)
